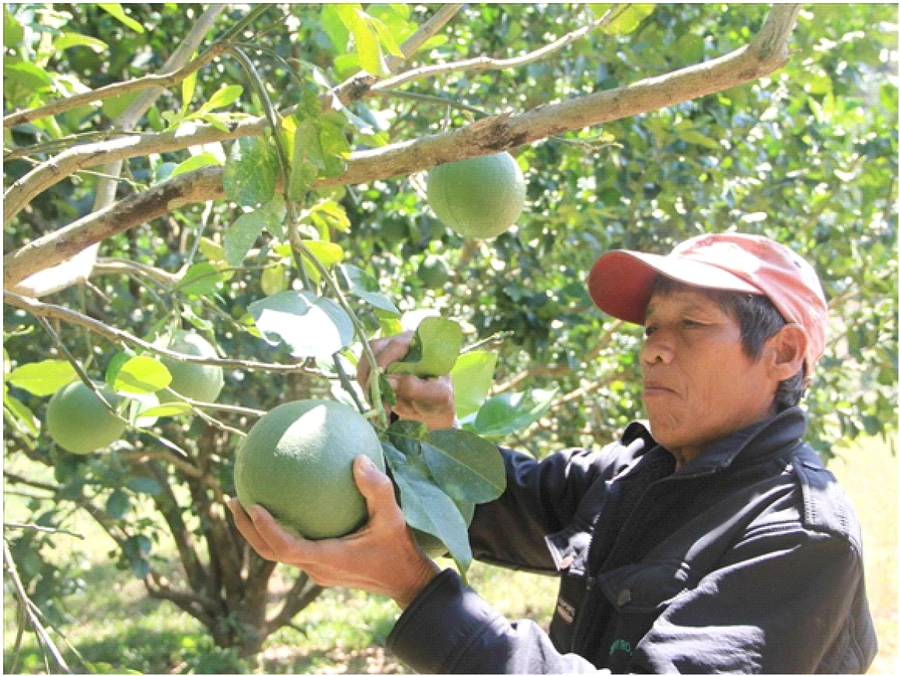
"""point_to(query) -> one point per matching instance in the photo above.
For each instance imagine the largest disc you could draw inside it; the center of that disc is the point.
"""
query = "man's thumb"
(376, 487)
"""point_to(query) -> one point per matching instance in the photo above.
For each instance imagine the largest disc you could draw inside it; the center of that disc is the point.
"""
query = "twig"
(30, 609)
(117, 89)
(482, 63)
(42, 529)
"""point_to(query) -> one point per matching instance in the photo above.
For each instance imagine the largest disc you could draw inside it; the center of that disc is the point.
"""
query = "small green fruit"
(79, 422)
(297, 462)
(202, 382)
(434, 272)
(479, 197)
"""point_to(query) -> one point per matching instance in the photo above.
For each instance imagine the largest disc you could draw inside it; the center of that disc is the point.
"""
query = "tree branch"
(51, 172)
(116, 89)
(118, 336)
(766, 53)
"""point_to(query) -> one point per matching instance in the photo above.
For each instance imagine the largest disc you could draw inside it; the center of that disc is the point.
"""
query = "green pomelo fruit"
(479, 197)
(395, 229)
(79, 422)
(434, 272)
(201, 382)
(297, 462)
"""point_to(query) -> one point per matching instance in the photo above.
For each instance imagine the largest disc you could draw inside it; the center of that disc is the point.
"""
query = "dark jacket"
(749, 559)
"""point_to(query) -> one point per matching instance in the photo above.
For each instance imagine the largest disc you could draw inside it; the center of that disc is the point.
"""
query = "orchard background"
(255, 173)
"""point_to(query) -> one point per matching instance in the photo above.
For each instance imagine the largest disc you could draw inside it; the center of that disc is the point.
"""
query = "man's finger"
(286, 547)
(248, 530)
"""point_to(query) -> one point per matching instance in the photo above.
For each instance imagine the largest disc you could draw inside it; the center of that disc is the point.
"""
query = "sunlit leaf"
(42, 378)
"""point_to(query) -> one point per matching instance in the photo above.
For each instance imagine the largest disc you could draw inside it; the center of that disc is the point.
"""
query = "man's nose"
(657, 349)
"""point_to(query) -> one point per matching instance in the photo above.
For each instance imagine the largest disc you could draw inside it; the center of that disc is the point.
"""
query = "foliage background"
(807, 155)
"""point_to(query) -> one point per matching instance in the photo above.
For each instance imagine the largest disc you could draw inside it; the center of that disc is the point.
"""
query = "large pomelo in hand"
(79, 422)
(201, 382)
(478, 198)
(297, 462)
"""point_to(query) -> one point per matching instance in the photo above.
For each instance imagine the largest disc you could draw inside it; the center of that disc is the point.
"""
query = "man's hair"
(759, 320)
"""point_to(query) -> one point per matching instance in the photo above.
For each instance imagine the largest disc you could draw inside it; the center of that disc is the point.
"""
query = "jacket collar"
(767, 438)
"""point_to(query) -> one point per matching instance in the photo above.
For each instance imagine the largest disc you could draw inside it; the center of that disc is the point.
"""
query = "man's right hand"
(428, 400)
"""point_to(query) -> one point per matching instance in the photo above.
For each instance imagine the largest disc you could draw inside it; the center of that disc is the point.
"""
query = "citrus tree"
(199, 229)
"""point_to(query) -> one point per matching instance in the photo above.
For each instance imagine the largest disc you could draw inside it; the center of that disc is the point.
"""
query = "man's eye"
(649, 330)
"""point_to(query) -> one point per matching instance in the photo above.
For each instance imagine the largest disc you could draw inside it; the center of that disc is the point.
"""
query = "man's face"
(699, 385)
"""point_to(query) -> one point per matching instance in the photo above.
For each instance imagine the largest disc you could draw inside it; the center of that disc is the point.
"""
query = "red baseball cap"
(620, 281)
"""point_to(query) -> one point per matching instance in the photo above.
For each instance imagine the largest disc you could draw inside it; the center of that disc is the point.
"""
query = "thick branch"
(766, 53)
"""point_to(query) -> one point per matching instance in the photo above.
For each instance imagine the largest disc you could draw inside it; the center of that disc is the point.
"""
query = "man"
(710, 540)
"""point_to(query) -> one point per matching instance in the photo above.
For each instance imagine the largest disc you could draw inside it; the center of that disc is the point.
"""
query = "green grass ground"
(119, 629)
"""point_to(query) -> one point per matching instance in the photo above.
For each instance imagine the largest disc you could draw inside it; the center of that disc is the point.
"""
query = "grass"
(118, 629)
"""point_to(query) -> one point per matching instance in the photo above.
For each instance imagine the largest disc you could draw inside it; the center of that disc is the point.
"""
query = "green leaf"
(628, 19)
(116, 105)
(251, 171)
(68, 40)
(142, 375)
(13, 33)
(42, 378)
(385, 38)
(117, 504)
(194, 163)
(241, 235)
(168, 409)
(22, 416)
(334, 27)
(306, 159)
(144, 484)
(333, 141)
(115, 9)
(362, 285)
(212, 250)
(326, 214)
(467, 467)
(202, 279)
(327, 253)
(426, 507)
(225, 96)
(700, 139)
(472, 376)
(309, 325)
(274, 279)
(434, 349)
(367, 43)
(511, 412)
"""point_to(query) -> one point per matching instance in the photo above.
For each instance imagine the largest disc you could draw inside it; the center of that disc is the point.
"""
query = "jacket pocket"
(638, 594)
(645, 587)
(569, 549)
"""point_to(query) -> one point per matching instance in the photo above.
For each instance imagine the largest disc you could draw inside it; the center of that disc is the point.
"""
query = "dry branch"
(766, 53)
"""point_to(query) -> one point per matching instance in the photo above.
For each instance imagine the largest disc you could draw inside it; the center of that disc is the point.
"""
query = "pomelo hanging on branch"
(478, 198)
(80, 422)
(201, 382)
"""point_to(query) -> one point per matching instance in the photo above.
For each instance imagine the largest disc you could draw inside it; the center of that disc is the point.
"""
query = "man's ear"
(786, 351)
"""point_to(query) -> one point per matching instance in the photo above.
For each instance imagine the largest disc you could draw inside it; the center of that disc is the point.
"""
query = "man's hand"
(382, 557)
(429, 400)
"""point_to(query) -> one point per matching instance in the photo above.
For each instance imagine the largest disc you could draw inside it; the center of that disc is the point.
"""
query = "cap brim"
(620, 281)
